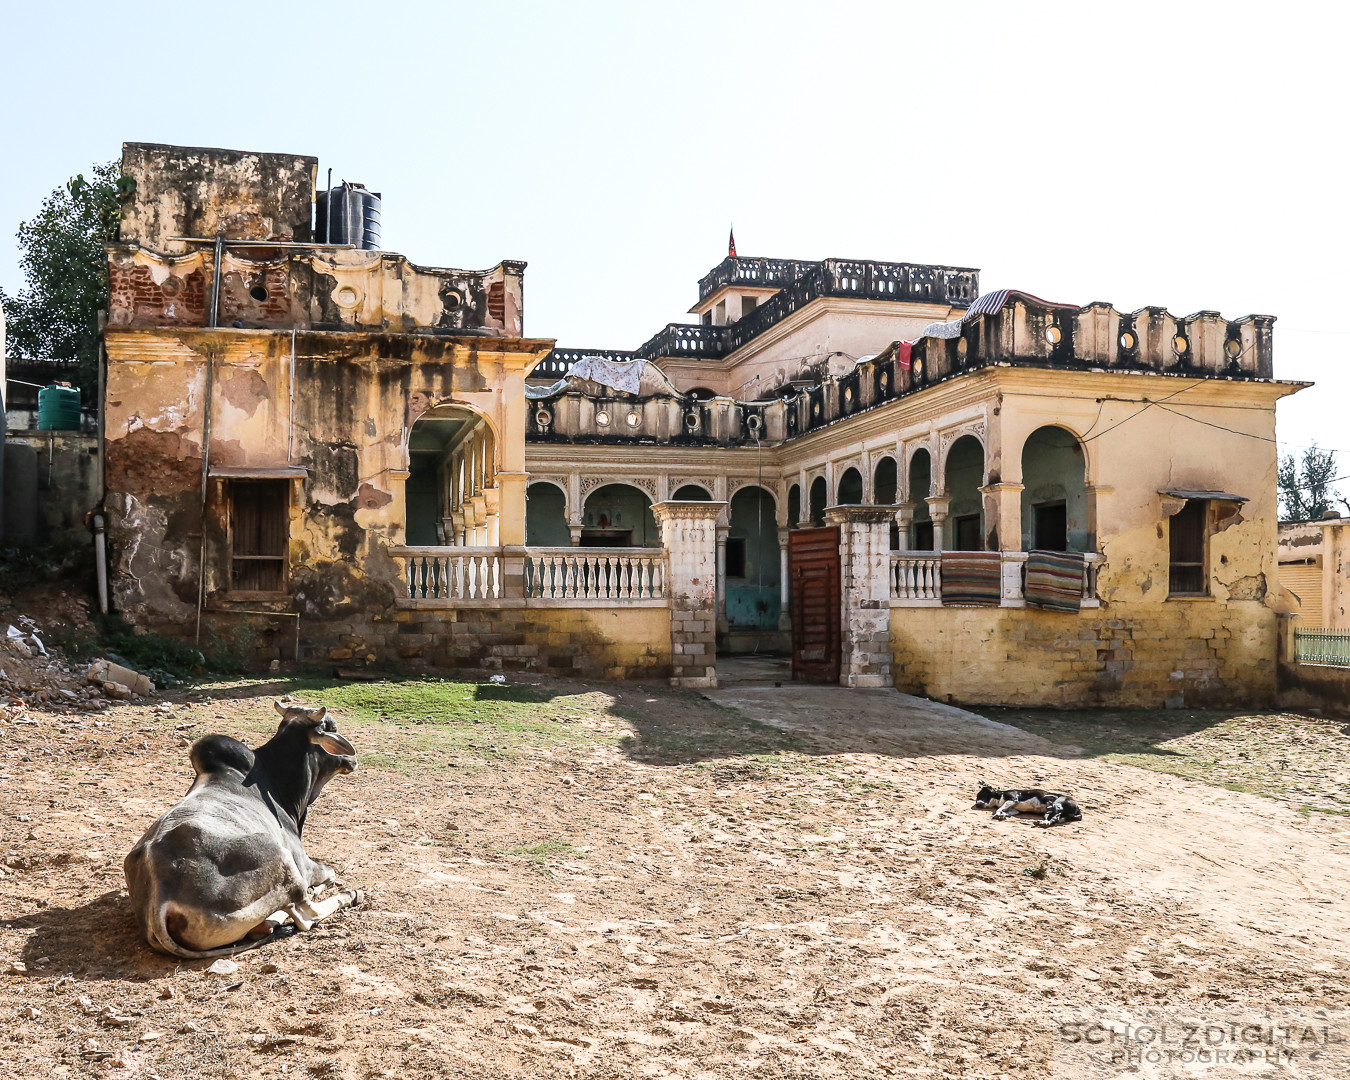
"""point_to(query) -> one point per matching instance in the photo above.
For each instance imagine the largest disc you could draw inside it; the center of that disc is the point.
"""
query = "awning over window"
(258, 472)
(1218, 496)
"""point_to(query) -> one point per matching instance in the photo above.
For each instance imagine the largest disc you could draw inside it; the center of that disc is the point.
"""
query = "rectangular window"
(748, 304)
(735, 556)
(923, 536)
(259, 531)
(966, 532)
(1188, 534)
(1052, 526)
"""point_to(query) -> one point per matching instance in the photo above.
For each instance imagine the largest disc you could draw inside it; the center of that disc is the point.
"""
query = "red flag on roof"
(731, 244)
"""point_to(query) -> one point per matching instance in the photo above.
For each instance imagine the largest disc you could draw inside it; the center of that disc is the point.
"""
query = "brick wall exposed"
(1166, 654)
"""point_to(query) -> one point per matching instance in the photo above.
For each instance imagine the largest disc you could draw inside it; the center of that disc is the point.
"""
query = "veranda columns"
(784, 590)
(723, 531)
(938, 506)
(689, 533)
(865, 563)
(1003, 507)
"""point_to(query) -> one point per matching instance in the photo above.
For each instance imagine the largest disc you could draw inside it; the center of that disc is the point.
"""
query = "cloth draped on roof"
(972, 578)
(622, 375)
(990, 303)
(1055, 580)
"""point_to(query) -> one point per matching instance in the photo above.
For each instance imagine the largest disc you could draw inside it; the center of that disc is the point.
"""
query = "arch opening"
(753, 564)
(693, 493)
(546, 516)
(451, 495)
(850, 487)
(964, 528)
(920, 487)
(618, 515)
(1055, 511)
(794, 506)
(819, 495)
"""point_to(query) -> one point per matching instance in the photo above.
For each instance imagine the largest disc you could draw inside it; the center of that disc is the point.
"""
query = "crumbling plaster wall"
(354, 400)
(199, 191)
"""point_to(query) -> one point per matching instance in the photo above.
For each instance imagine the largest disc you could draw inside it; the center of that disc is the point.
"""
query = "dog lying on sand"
(1056, 809)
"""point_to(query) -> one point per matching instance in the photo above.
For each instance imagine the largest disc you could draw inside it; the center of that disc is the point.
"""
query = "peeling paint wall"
(353, 399)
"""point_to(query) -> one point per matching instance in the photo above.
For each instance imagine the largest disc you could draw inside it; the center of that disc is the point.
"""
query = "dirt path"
(568, 880)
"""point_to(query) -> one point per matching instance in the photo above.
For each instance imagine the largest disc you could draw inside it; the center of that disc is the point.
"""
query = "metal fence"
(1325, 648)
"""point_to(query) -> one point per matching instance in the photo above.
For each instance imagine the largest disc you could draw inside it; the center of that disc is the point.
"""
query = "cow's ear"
(314, 717)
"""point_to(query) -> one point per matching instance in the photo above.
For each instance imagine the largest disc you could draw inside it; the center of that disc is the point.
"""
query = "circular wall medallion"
(1233, 348)
(918, 366)
(691, 420)
(885, 381)
(848, 397)
(602, 418)
(753, 422)
(346, 296)
(543, 418)
(1127, 340)
(1053, 335)
(634, 418)
(451, 300)
(1180, 344)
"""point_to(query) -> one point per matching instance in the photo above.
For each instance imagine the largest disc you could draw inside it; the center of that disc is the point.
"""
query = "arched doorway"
(1054, 494)
(965, 510)
(850, 488)
(693, 493)
(753, 564)
(920, 487)
(618, 515)
(794, 503)
(451, 496)
(819, 494)
(885, 489)
(546, 516)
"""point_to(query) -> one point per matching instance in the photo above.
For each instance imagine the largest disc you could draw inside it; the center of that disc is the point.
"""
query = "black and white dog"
(1057, 809)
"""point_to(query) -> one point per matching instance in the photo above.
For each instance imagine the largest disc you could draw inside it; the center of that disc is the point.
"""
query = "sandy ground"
(661, 890)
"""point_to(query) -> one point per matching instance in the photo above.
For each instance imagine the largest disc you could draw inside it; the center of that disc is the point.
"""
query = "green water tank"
(58, 409)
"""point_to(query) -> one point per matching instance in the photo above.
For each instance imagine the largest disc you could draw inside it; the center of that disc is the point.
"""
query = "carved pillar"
(1003, 516)
(784, 591)
(937, 510)
(865, 559)
(1097, 495)
(689, 533)
(723, 531)
(904, 518)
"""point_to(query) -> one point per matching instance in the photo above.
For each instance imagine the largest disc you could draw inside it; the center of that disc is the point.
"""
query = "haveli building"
(323, 450)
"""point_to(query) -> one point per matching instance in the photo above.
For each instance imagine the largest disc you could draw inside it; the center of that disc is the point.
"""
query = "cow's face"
(337, 755)
(987, 797)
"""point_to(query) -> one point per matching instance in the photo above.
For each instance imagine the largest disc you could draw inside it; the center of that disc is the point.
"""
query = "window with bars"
(1188, 529)
(259, 528)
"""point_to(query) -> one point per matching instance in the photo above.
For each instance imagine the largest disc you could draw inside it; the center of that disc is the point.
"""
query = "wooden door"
(813, 570)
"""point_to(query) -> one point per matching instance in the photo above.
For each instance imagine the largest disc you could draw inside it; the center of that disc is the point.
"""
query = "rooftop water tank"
(58, 408)
(348, 215)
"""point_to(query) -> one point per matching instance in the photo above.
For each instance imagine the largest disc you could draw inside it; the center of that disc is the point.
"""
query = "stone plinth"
(865, 558)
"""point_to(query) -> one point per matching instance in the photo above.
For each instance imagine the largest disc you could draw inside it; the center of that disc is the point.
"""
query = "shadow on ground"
(97, 940)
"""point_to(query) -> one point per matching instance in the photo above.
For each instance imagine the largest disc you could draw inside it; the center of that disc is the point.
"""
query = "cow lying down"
(224, 869)
(1056, 809)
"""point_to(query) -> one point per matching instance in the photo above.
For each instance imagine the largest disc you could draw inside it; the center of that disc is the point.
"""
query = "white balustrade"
(569, 573)
(451, 573)
(916, 575)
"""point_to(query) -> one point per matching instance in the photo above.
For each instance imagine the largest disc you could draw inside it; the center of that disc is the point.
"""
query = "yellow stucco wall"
(1169, 653)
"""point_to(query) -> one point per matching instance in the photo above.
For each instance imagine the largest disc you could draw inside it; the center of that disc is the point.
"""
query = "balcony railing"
(916, 579)
(559, 362)
(451, 573)
(595, 573)
(759, 273)
(1322, 648)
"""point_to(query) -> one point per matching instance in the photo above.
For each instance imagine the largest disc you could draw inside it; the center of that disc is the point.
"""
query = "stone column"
(689, 533)
(1003, 508)
(865, 608)
(937, 511)
(784, 588)
(904, 518)
(723, 531)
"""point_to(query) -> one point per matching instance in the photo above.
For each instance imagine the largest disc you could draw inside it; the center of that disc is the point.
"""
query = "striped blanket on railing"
(1055, 580)
(972, 578)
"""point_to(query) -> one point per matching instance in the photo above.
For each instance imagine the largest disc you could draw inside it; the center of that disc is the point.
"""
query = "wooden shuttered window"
(259, 531)
(1188, 529)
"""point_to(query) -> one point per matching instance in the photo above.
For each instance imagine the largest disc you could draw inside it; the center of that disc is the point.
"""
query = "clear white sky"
(1186, 155)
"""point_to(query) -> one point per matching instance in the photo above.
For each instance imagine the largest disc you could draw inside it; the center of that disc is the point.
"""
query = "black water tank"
(355, 217)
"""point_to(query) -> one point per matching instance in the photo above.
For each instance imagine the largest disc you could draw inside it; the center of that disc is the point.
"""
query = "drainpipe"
(101, 563)
(206, 464)
(215, 280)
(290, 435)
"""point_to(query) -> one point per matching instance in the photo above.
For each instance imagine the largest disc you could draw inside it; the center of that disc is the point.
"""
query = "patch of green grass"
(543, 850)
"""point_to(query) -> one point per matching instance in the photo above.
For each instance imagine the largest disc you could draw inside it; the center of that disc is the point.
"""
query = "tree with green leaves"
(65, 267)
(1305, 486)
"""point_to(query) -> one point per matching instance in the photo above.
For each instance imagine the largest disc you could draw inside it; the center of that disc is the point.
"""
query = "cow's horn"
(279, 707)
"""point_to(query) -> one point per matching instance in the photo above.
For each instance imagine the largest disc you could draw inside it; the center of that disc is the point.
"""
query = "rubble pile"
(33, 674)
